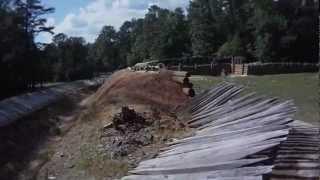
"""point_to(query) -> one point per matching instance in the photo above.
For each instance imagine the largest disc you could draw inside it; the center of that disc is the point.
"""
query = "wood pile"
(236, 138)
(299, 156)
(182, 77)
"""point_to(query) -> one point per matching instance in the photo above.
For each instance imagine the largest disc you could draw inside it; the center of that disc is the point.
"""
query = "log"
(181, 73)
(180, 79)
(189, 92)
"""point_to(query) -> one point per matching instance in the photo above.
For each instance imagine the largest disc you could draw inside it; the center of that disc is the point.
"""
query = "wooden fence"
(281, 68)
(216, 69)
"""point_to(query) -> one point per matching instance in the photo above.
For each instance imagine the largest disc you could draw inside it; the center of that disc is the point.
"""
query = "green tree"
(138, 51)
(268, 27)
(106, 49)
(20, 57)
(68, 57)
(235, 47)
(125, 42)
(204, 29)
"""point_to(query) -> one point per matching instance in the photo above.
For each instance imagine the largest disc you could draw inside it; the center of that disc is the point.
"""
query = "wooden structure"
(236, 138)
(298, 156)
(238, 66)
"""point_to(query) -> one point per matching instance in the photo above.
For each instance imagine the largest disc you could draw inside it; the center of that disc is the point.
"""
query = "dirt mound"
(127, 87)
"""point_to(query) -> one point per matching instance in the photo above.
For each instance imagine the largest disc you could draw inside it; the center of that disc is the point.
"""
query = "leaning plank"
(201, 157)
(310, 173)
(199, 168)
(246, 171)
(226, 135)
(251, 140)
(238, 178)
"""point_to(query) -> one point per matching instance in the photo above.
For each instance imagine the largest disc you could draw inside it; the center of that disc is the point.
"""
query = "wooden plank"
(238, 172)
(202, 157)
(225, 135)
(195, 169)
(299, 156)
(297, 173)
(239, 178)
(244, 140)
(250, 114)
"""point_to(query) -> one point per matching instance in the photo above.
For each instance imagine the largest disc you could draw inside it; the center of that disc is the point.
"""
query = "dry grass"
(99, 164)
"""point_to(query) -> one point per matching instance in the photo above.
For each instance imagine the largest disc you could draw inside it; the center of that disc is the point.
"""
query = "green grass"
(302, 88)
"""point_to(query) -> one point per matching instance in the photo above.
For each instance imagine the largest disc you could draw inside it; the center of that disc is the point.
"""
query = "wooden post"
(233, 65)
(242, 69)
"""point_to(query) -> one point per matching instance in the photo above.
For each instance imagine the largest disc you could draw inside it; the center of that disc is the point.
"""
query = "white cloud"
(46, 37)
(90, 19)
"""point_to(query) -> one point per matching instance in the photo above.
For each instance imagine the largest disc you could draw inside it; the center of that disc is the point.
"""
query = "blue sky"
(86, 17)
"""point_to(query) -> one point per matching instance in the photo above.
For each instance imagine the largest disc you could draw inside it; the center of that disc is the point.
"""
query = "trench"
(26, 139)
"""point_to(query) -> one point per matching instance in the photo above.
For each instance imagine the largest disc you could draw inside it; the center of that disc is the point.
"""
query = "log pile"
(182, 77)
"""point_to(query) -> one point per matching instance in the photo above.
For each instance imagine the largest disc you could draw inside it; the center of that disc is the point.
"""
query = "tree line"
(260, 30)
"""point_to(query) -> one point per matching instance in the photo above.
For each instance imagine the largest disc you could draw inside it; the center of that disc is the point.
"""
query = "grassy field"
(302, 88)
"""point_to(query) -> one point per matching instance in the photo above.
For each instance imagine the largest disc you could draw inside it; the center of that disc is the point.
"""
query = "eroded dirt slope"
(106, 140)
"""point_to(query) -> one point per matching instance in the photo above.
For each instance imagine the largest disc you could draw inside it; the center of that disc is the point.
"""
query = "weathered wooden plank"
(239, 178)
(238, 172)
(223, 98)
(298, 173)
(250, 114)
(197, 168)
(243, 123)
(244, 140)
(226, 135)
(294, 165)
(290, 151)
(299, 148)
(299, 156)
(233, 105)
(202, 157)
(212, 94)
